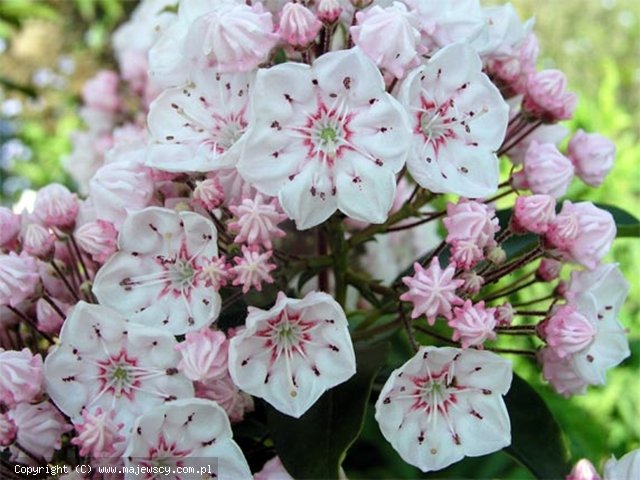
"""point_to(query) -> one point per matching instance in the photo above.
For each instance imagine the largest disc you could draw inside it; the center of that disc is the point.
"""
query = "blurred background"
(48, 48)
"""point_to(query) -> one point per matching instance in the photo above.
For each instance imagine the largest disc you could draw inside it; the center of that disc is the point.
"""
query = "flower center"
(118, 375)
(182, 273)
(328, 134)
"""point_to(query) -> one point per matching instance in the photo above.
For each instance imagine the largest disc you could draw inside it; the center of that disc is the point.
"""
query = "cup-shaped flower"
(159, 276)
(20, 376)
(445, 404)
(189, 432)
(458, 120)
(196, 127)
(325, 137)
(592, 155)
(104, 361)
(292, 353)
(546, 170)
(204, 354)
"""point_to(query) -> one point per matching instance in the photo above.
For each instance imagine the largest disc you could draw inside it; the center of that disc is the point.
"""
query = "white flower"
(159, 275)
(196, 127)
(104, 361)
(325, 137)
(626, 468)
(190, 432)
(445, 404)
(291, 354)
(458, 119)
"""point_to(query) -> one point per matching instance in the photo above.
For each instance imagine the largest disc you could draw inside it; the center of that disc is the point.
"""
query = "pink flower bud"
(38, 241)
(582, 232)
(548, 270)
(298, 25)
(473, 324)
(472, 282)
(40, 427)
(56, 206)
(20, 376)
(533, 213)
(204, 355)
(18, 278)
(567, 331)
(504, 314)
(9, 226)
(496, 255)
(101, 92)
(547, 170)
(592, 155)
(8, 430)
(560, 373)
(465, 254)
(99, 434)
(98, 239)
(49, 320)
(547, 98)
(222, 390)
(208, 194)
(329, 10)
(471, 220)
(583, 470)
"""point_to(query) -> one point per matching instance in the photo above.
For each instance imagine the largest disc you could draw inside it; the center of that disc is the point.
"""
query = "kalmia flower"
(9, 226)
(273, 470)
(432, 291)
(49, 320)
(38, 240)
(292, 353)
(546, 170)
(549, 269)
(533, 213)
(547, 97)
(105, 361)
(208, 194)
(160, 274)
(473, 324)
(56, 206)
(329, 10)
(582, 232)
(257, 221)
(559, 372)
(101, 92)
(197, 127)
(97, 238)
(298, 25)
(188, 432)
(8, 431)
(626, 467)
(592, 155)
(458, 121)
(471, 220)
(40, 427)
(567, 331)
(18, 278)
(252, 269)
(504, 314)
(389, 36)
(583, 470)
(465, 254)
(224, 392)
(20, 376)
(325, 137)
(99, 435)
(445, 404)
(204, 354)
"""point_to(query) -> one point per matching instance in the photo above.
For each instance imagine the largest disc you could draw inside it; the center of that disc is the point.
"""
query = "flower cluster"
(234, 175)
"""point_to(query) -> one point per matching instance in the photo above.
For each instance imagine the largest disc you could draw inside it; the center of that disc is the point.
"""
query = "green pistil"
(328, 134)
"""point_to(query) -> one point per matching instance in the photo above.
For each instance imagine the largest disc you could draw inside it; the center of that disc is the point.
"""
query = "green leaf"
(314, 445)
(536, 438)
(627, 224)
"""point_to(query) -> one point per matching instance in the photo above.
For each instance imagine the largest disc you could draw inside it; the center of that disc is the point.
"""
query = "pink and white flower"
(56, 206)
(567, 331)
(533, 213)
(252, 269)
(273, 470)
(432, 291)
(389, 36)
(472, 221)
(20, 376)
(325, 137)
(559, 372)
(592, 155)
(160, 274)
(546, 170)
(18, 278)
(97, 238)
(583, 470)
(99, 435)
(257, 221)
(197, 127)
(298, 25)
(40, 427)
(224, 392)
(9, 226)
(105, 361)
(189, 432)
(204, 354)
(292, 353)
(8, 431)
(458, 120)
(547, 97)
(445, 404)
(101, 92)
(628, 466)
(473, 324)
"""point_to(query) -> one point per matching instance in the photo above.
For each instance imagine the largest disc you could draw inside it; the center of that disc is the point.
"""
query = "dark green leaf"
(536, 439)
(314, 445)
(627, 224)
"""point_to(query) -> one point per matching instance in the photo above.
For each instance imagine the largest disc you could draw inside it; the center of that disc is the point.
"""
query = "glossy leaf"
(536, 438)
(314, 445)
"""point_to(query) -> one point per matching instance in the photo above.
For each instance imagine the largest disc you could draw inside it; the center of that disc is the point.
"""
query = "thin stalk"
(506, 293)
(416, 223)
(409, 329)
(515, 351)
(534, 301)
(436, 335)
(50, 301)
(64, 280)
(31, 323)
(323, 275)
